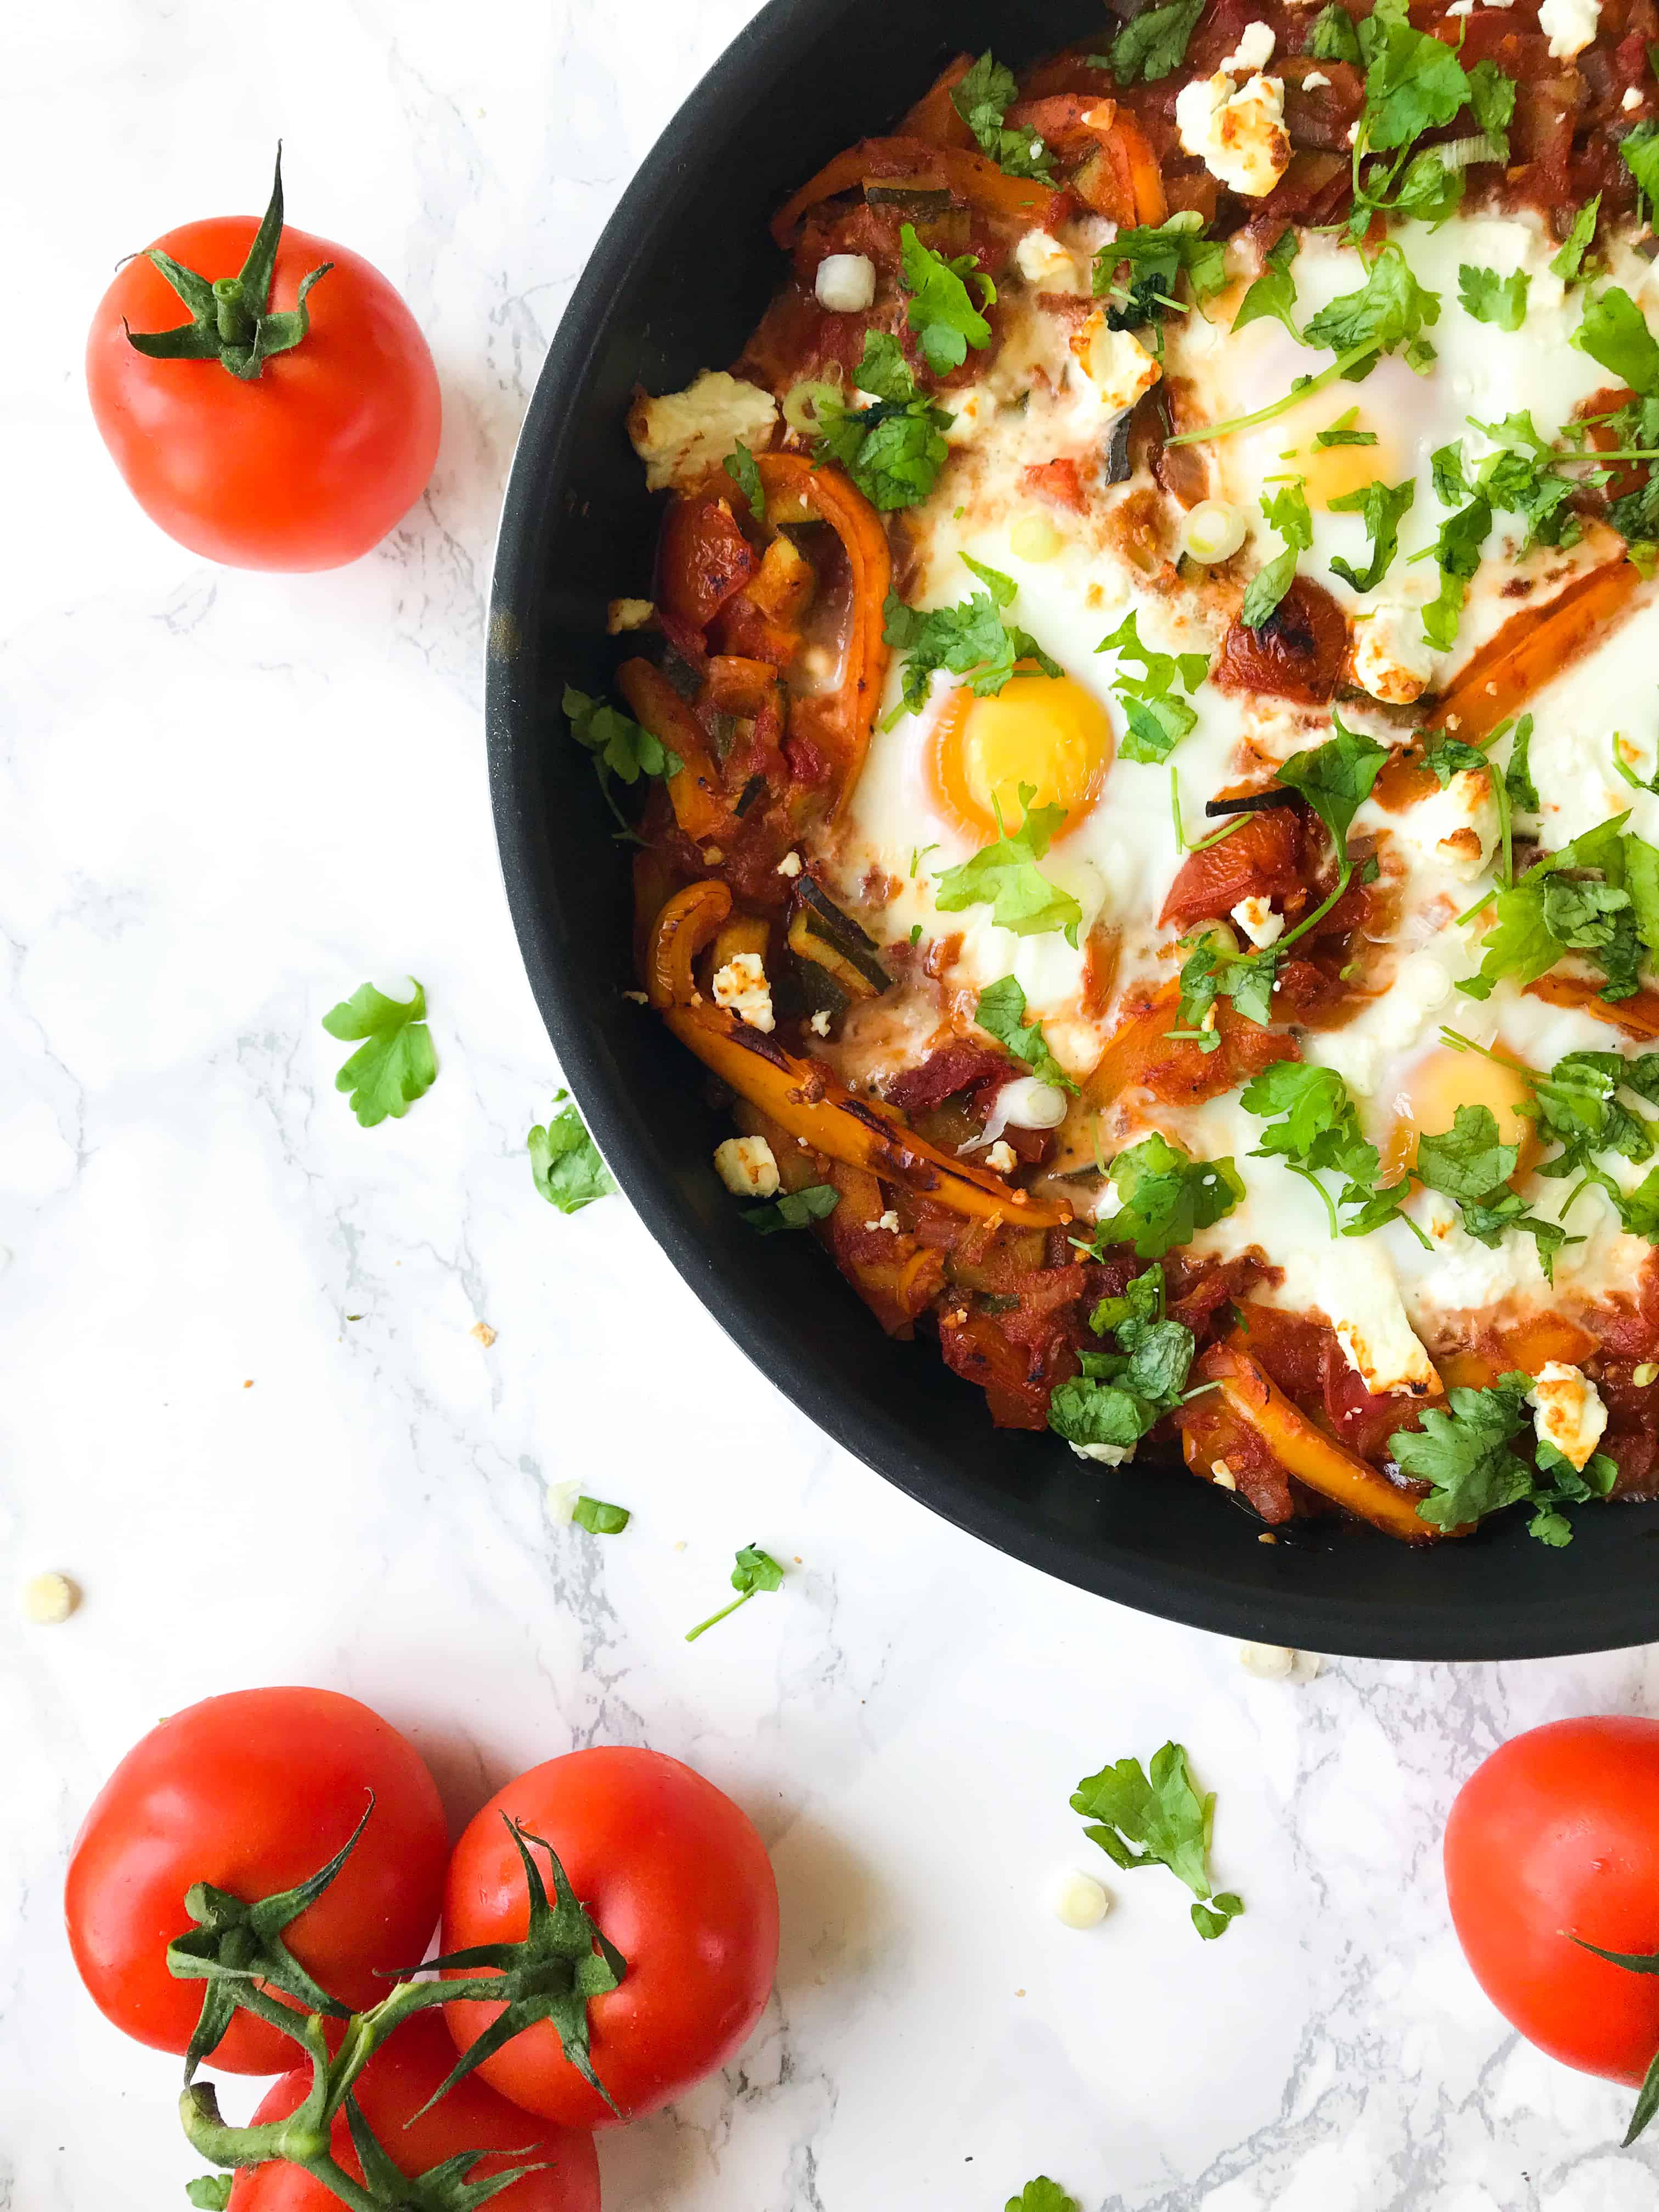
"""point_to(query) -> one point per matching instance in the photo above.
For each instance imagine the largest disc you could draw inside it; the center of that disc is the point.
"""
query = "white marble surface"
(227, 799)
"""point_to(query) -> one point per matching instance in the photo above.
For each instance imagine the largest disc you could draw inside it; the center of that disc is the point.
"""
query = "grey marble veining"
(244, 1409)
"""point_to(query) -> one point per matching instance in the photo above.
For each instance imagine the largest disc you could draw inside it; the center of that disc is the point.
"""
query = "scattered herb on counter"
(565, 1162)
(981, 99)
(210, 2193)
(795, 1209)
(1042, 2196)
(1006, 876)
(599, 1518)
(755, 1571)
(942, 312)
(396, 1064)
(1466, 1453)
(1165, 1816)
(1001, 1011)
(969, 639)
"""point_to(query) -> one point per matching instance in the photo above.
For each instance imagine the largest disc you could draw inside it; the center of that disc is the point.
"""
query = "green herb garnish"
(564, 1161)
(1158, 1818)
(755, 1571)
(396, 1064)
(1158, 717)
(1001, 1013)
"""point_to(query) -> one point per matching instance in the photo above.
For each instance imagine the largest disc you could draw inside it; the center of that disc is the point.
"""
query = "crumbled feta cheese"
(1222, 1475)
(1255, 917)
(1237, 132)
(628, 614)
(1385, 1353)
(748, 1167)
(681, 436)
(1391, 660)
(742, 988)
(970, 411)
(1569, 25)
(1315, 81)
(1116, 362)
(1632, 100)
(1253, 52)
(1041, 259)
(846, 283)
(1268, 1663)
(789, 865)
(1569, 1412)
(819, 1024)
(1002, 1159)
(1079, 1901)
(49, 1600)
(888, 1220)
(1106, 1455)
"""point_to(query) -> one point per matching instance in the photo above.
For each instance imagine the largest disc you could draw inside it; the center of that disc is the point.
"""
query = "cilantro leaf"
(1157, 1818)
(1157, 717)
(1005, 877)
(1123, 1393)
(1273, 292)
(1334, 37)
(599, 1518)
(1287, 511)
(1155, 257)
(1450, 757)
(1042, 2196)
(1518, 776)
(794, 1210)
(755, 1571)
(1343, 433)
(1165, 1198)
(971, 639)
(981, 99)
(565, 1162)
(1469, 1164)
(1457, 555)
(1335, 778)
(941, 312)
(1491, 97)
(1569, 264)
(1490, 298)
(1413, 82)
(895, 450)
(1614, 332)
(1465, 1454)
(395, 1064)
(620, 746)
(1383, 507)
(1313, 1126)
(1208, 974)
(1639, 151)
(1390, 310)
(744, 470)
(1001, 1012)
(1566, 1485)
(1558, 906)
(1153, 45)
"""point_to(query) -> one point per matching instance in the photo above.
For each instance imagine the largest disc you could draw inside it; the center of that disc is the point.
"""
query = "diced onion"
(1036, 537)
(803, 406)
(1024, 1104)
(846, 283)
(1079, 1901)
(1212, 531)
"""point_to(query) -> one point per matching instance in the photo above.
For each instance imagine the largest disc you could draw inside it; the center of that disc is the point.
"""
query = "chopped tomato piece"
(1263, 860)
(1060, 481)
(1296, 653)
(704, 559)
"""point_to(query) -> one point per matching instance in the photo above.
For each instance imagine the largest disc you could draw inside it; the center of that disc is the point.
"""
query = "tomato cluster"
(208, 1916)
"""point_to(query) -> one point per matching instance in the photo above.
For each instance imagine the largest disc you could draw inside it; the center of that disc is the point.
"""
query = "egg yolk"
(1044, 730)
(1441, 1082)
(1331, 472)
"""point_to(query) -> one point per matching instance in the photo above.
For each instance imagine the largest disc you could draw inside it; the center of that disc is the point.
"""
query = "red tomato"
(1556, 1836)
(254, 1792)
(675, 1876)
(391, 2089)
(305, 466)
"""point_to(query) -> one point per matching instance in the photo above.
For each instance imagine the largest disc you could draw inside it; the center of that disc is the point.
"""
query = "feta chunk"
(681, 436)
(748, 1167)
(1568, 1411)
(889, 1220)
(1116, 362)
(1255, 917)
(1315, 81)
(1391, 658)
(1002, 1159)
(819, 1024)
(1569, 25)
(1252, 52)
(846, 283)
(970, 411)
(1632, 100)
(1041, 260)
(1268, 1663)
(623, 615)
(742, 988)
(1381, 1348)
(1106, 1455)
(1239, 132)
(789, 865)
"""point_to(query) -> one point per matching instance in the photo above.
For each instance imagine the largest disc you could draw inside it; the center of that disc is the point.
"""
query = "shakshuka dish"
(1148, 714)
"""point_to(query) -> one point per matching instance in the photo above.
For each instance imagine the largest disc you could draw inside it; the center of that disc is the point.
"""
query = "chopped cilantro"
(1335, 778)
(755, 1571)
(1152, 45)
(1490, 298)
(1614, 332)
(895, 450)
(1599, 896)
(1570, 263)
(1521, 790)
(1001, 1012)
(1121, 1395)
(1639, 149)
(1390, 311)
(1158, 717)
(1342, 432)
(1413, 82)
(794, 1210)
(1313, 1126)
(941, 312)
(1287, 511)
(1165, 1198)
(1468, 1163)
(981, 99)
(599, 1518)
(745, 471)
(971, 639)
(1334, 37)
(1042, 2196)
(396, 1064)
(1648, 783)
(619, 746)
(210, 2193)
(1457, 555)
(1157, 1818)
(1273, 292)
(564, 1161)
(1155, 257)
(1383, 506)
(1468, 1455)
(1006, 876)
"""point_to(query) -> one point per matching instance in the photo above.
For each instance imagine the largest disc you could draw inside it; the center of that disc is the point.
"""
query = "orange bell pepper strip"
(693, 790)
(1533, 648)
(840, 721)
(1307, 1452)
(970, 176)
(686, 926)
(861, 1132)
(934, 119)
(1637, 1015)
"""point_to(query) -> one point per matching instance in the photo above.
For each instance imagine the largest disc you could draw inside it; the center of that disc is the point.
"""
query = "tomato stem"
(235, 323)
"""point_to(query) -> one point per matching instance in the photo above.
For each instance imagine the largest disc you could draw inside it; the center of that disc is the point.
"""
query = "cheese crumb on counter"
(748, 1167)
(742, 988)
(1268, 1663)
(481, 1333)
(49, 1600)
(1568, 1412)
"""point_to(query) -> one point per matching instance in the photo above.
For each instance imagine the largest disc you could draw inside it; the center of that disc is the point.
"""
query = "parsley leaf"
(599, 1518)
(941, 312)
(1006, 876)
(1123, 1394)
(1390, 309)
(1614, 332)
(1155, 256)
(969, 639)
(1313, 1126)
(1165, 1198)
(1334, 37)
(1001, 1012)
(1157, 717)
(1273, 292)
(1286, 510)
(1569, 264)
(1490, 298)
(565, 1162)
(1157, 1819)
(744, 470)
(794, 1210)
(1153, 44)
(755, 1571)
(895, 450)
(396, 1064)
(981, 100)
(1383, 507)
(1042, 2196)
